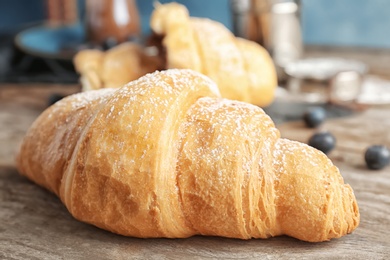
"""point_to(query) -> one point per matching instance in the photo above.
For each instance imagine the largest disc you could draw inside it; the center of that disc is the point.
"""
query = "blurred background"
(324, 22)
(335, 23)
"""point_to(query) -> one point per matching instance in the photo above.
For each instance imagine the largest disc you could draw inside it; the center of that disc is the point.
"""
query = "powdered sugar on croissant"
(166, 156)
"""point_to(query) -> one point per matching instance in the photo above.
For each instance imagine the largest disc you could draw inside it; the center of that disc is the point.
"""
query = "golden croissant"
(166, 156)
(243, 70)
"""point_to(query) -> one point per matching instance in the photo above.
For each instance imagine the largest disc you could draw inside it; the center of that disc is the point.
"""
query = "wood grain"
(35, 225)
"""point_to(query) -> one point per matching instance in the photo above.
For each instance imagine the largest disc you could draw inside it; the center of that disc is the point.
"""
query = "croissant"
(115, 67)
(243, 70)
(166, 156)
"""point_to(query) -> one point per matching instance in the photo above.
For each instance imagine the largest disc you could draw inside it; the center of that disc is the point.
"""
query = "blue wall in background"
(346, 22)
(364, 23)
(13, 14)
(213, 9)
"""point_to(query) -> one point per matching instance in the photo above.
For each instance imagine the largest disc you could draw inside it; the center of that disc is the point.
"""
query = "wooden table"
(35, 225)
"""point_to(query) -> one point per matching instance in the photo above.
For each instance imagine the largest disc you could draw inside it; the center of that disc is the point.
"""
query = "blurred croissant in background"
(242, 69)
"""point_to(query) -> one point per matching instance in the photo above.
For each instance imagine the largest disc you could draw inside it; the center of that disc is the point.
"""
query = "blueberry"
(53, 98)
(323, 141)
(314, 116)
(377, 157)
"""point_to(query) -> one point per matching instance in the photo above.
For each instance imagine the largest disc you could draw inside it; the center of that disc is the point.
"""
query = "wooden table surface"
(35, 225)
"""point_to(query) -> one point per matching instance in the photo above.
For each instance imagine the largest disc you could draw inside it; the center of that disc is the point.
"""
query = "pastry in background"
(115, 67)
(242, 69)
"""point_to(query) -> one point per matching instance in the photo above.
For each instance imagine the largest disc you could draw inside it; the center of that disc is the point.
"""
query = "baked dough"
(115, 67)
(243, 70)
(166, 156)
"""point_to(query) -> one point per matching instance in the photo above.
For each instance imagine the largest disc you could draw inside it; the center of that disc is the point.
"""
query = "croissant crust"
(166, 156)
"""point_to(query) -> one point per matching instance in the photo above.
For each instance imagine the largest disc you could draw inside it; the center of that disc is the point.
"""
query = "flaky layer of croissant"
(166, 156)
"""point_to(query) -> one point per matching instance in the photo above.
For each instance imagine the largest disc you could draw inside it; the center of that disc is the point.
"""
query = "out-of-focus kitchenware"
(59, 42)
(345, 86)
(111, 20)
(332, 83)
(320, 80)
(274, 24)
(375, 91)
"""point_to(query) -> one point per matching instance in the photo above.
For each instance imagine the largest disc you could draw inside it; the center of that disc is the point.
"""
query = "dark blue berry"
(53, 98)
(377, 157)
(323, 141)
(314, 116)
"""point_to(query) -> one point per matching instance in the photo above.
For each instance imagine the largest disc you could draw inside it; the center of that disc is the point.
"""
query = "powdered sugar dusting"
(83, 99)
(160, 88)
(292, 157)
(227, 146)
(80, 100)
(141, 121)
(225, 175)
